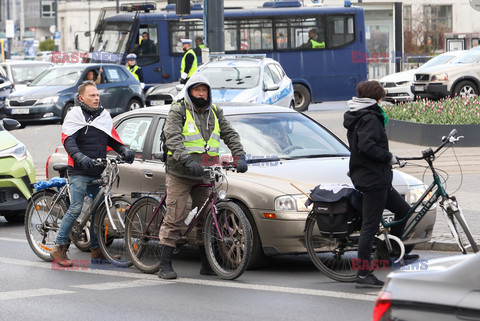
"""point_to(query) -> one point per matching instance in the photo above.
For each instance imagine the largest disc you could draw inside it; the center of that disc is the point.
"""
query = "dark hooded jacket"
(205, 122)
(370, 157)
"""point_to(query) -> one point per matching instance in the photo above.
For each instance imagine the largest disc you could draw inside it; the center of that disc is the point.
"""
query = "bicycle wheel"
(142, 234)
(461, 232)
(43, 217)
(228, 253)
(332, 256)
(112, 242)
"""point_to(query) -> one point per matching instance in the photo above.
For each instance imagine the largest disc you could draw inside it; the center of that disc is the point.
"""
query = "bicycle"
(47, 207)
(335, 257)
(227, 234)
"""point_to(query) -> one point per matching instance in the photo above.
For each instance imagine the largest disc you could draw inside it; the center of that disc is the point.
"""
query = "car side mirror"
(2, 80)
(272, 87)
(179, 87)
(10, 124)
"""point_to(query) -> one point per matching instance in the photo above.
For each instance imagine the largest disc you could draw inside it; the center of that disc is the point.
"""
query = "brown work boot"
(99, 258)
(59, 255)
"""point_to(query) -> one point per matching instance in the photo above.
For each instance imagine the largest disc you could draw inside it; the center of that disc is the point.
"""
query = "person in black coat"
(371, 172)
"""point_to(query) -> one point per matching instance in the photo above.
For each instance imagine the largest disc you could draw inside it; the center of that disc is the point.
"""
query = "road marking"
(12, 295)
(116, 285)
(9, 239)
(152, 279)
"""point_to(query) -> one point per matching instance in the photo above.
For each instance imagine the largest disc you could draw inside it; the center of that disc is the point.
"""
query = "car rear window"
(232, 77)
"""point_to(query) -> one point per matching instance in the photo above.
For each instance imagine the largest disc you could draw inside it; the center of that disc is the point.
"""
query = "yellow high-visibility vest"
(194, 64)
(134, 71)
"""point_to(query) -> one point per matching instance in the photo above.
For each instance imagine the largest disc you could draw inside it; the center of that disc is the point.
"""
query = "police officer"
(193, 130)
(189, 61)
(313, 42)
(134, 69)
(199, 46)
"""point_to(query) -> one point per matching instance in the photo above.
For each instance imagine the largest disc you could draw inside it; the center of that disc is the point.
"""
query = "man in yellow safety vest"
(193, 130)
(189, 61)
(313, 42)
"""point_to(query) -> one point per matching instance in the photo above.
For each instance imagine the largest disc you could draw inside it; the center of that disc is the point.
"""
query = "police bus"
(324, 70)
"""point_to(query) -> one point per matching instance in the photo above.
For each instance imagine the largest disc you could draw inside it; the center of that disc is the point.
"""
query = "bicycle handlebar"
(429, 153)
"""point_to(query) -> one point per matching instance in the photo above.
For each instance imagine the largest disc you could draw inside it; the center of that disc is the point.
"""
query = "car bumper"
(16, 177)
(38, 113)
(429, 90)
(400, 93)
(285, 234)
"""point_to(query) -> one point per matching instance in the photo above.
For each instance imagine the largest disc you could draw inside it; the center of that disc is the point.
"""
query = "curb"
(438, 246)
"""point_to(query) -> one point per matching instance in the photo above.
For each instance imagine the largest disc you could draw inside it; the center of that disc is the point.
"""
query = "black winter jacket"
(92, 142)
(370, 157)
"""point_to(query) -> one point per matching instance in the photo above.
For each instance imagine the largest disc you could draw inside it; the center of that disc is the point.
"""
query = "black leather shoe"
(410, 258)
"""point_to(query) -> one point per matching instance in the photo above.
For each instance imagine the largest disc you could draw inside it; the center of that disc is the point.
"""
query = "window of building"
(48, 8)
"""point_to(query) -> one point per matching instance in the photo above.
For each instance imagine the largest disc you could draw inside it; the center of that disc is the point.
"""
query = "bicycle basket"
(337, 210)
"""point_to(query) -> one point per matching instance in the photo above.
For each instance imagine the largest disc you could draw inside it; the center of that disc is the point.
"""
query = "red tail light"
(48, 161)
(382, 306)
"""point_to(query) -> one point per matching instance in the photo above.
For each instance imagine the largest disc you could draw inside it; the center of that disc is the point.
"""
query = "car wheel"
(66, 109)
(465, 89)
(302, 97)
(134, 104)
(258, 259)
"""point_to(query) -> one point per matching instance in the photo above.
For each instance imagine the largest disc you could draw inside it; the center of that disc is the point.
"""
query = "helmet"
(131, 56)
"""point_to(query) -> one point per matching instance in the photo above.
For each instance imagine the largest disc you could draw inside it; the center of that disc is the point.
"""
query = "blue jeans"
(79, 188)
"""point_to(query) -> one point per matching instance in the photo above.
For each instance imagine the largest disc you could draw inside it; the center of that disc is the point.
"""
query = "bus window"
(341, 30)
(147, 40)
(184, 30)
(257, 33)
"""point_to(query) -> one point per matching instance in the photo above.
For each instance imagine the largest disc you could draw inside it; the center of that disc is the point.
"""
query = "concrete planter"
(431, 135)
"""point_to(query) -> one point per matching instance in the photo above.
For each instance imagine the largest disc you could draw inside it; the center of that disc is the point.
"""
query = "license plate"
(419, 88)
(16, 111)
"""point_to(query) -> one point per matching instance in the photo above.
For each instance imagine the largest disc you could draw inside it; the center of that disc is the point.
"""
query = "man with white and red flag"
(87, 132)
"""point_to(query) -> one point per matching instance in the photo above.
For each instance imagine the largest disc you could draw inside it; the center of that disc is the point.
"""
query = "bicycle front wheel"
(142, 229)
(334, 257)
(461, 232)
(229, 251)
(110, 241)
(43, 217)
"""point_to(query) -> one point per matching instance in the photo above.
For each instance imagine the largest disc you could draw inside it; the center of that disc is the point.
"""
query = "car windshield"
(113, 37)
(59, 77)
(283, 136)
(471, 56)
(230, 77)
(438, 60)
(25, 73)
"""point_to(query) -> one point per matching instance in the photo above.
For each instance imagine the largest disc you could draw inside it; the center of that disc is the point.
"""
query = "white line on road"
(116, 285)
(152, 279)
(31, 293)
(9, 239)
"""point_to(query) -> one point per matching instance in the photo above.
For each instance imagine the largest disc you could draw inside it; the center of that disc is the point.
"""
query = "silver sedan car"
(283, 147)
(440, 289)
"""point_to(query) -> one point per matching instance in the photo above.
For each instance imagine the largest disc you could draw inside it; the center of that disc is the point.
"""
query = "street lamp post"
(56, 24)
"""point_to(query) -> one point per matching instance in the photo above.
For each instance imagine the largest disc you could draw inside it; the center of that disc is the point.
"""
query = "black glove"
(84, 161)
(183, 81)
(193, 167)
(241, 163)
(128, 155)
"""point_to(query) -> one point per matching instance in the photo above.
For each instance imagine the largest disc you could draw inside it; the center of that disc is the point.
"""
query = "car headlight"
(47, 100)
(415, 193)
(18, 151)
(291, 203)
(7, 102)
(403, 83)
(440, 77)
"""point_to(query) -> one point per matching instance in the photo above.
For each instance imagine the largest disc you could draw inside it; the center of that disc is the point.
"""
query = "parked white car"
(22, 72)
(237, 78)
(397, 85)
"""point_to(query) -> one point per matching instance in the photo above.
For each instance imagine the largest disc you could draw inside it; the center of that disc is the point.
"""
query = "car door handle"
(157, 69)
(148, 174)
